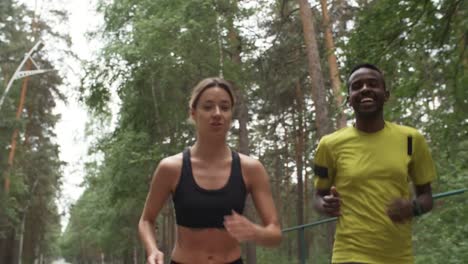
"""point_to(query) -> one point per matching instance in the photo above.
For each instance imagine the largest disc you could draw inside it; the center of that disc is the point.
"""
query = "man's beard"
(377, 113)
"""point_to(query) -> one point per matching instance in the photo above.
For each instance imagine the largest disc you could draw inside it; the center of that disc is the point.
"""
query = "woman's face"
(213, 112)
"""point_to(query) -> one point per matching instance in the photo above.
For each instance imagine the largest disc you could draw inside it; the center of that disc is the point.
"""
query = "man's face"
(367, 93)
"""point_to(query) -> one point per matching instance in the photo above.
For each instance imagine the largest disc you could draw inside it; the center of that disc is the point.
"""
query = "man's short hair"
(368, 66)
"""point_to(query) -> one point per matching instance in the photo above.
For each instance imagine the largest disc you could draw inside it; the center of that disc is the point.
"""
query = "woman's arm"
(268, 234)
(163, 182)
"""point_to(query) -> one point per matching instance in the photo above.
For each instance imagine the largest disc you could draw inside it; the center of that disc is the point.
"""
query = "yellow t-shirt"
(369, 170)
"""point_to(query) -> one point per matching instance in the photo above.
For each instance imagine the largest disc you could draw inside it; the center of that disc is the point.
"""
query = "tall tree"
(334, 72)
(319, 94)
(30, 220)
(228, 10)
(417, 46)
(157, 50)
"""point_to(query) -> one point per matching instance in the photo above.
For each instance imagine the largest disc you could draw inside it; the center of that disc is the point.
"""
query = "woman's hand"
(239, 227)
(157, 257)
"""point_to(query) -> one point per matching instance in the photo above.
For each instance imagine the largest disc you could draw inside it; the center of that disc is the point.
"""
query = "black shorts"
(239, 261)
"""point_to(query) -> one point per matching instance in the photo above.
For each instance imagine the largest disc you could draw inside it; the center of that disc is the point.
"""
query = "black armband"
(417, 209)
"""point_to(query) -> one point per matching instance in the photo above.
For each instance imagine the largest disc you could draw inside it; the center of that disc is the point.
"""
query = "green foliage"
(36, 170)
(420, 46)
(274, 257)
(157, 50)
(441, 236)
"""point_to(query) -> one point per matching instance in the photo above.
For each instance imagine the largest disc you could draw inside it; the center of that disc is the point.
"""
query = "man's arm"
(423, 202)
(327, 202)
(401, 210)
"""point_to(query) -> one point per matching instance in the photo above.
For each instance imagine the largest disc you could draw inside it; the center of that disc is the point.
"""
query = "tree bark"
(333, 65)
(299, 157)
(251, 253)
(322, 122)
(288, 190)
(135, 253)
(235, 48)
(278, 175)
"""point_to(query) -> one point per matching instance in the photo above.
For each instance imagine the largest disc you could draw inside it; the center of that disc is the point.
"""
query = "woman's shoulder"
(249, 161)
(171, 164)
(168, 171)
(250, 164)
(253, 171)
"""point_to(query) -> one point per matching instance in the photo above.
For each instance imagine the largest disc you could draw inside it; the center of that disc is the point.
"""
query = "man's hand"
(330, 203)
(400, 210)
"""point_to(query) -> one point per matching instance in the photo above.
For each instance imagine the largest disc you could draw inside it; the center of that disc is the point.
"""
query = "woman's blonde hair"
(208, 83)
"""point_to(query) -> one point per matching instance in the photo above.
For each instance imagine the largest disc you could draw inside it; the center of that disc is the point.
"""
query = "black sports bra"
(196, 207)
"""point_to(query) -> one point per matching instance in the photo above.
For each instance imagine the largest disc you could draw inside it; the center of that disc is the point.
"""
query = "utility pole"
(19, 74)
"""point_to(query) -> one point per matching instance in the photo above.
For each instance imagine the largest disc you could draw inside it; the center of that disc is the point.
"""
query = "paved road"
(60, 261)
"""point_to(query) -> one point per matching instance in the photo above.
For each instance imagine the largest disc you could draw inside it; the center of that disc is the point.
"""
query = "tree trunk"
(288, 193)
(7, 247)
(299, 151)
(277, 176)
(322, 122)
(20, 244)
(135, 253)
(235, 48)
(333, 66)
(251, 254)
(164, 231)
(172, 226)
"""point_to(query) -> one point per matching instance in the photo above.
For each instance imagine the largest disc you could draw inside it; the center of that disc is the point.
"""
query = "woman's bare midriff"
(205, 245)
